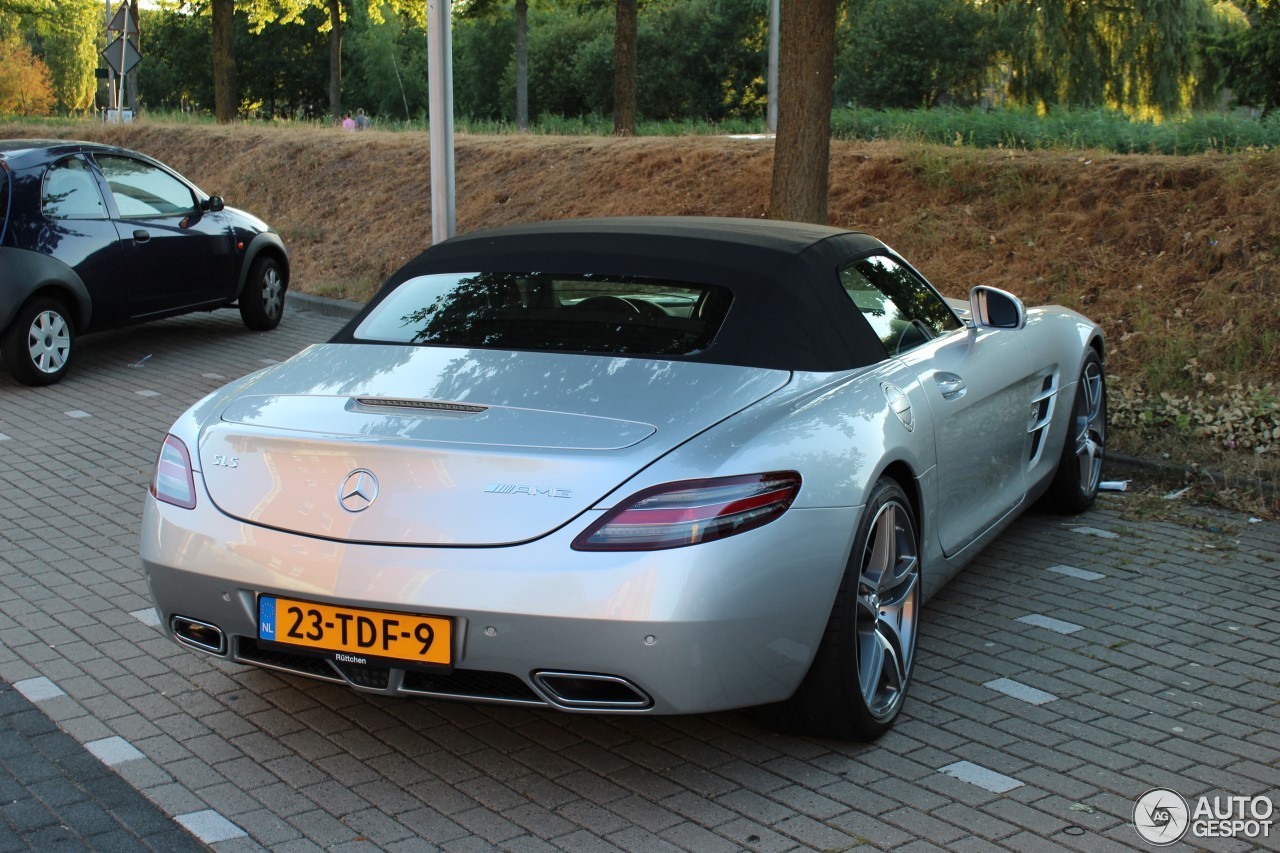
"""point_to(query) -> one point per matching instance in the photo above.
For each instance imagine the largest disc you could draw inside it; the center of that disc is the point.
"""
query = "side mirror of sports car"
(992, 308)
(213, 204)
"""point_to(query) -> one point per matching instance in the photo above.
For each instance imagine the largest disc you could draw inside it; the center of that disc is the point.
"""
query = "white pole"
(440, 114)
(772, 118)
(124, 43)
(111, 75)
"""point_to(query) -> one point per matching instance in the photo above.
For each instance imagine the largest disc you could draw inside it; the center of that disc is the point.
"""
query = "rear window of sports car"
(545, 311)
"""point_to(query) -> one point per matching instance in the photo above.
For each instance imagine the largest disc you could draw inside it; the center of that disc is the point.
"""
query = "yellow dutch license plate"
(356, 632)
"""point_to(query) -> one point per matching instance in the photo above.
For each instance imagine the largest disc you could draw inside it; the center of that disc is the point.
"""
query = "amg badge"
(532, 491)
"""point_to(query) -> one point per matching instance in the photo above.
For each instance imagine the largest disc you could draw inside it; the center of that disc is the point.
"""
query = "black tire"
(872, 630)
(262, 300)
(1075, 483)
(38, 344)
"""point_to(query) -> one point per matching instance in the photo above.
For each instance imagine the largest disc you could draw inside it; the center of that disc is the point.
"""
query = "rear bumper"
(721, 625)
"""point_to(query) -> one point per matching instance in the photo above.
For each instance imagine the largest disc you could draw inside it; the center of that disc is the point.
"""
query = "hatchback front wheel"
(262, 300)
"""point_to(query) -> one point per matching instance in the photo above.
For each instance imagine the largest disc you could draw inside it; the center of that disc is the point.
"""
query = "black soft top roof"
(789, 311)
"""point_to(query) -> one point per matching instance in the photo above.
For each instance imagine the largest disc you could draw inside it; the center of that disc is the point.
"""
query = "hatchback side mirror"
(213, 204)
(992, 308)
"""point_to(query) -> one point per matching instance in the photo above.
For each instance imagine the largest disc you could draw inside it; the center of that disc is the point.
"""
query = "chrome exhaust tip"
(200, 636)
(584, 691)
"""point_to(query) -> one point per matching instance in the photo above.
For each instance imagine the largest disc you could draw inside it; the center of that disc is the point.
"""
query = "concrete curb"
(1187, 472)
(323, 305)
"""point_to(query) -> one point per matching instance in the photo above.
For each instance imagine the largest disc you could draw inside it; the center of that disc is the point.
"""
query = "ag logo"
(1161, 816)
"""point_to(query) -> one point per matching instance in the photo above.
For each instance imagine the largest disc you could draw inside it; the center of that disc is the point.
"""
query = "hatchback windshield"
(543, 311)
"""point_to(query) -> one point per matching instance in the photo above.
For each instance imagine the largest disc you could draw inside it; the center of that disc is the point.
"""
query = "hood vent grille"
(421, 405)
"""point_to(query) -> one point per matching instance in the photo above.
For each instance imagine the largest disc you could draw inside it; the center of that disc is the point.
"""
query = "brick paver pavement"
(1074, 665)
(57, 794)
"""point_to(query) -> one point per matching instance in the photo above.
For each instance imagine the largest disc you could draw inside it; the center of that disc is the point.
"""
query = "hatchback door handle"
(141, 236)
(950, 386)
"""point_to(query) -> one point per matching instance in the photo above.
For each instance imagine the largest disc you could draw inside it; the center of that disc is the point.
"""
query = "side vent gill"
(1041, 414)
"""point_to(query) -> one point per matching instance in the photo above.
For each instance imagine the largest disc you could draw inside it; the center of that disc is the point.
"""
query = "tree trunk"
(522, 64)
(335, 59)
(225, 99)
(806, 73)
(624, 69)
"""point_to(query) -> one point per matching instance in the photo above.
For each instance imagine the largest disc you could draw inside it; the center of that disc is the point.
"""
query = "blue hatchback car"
(94, 237)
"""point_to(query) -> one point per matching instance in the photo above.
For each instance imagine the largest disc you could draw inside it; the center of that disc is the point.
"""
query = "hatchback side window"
(903, 310)
(141, 189)
(71, 192)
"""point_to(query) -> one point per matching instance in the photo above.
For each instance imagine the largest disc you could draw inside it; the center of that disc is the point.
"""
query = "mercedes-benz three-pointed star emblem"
(358, 491)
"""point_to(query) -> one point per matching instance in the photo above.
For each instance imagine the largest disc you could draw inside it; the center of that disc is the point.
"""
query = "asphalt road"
(1076, 664)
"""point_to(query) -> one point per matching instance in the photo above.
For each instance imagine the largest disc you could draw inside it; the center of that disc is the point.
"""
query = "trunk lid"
(440, 446)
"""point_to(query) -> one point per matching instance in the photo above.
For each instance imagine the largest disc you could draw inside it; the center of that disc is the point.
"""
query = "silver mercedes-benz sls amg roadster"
(643, 466)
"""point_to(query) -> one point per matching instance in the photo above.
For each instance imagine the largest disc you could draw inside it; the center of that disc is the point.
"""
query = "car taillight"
(690, 512)
(172, 481)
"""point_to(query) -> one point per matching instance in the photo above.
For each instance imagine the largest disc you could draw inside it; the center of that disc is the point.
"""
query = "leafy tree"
(171, 79)
(734, 33)
(522, 64)
(13, 13)
(1137, 54)
(490, 9)
(484, 71)
(912, 53)
(559, 44)
(387, 71)
(285, 68)
(70, 40)
(262, 13)
(337, 13)
(63, 36)
(26, 87)
(1216, 53)
(1253, 62)
(282, 69)
(702, 59)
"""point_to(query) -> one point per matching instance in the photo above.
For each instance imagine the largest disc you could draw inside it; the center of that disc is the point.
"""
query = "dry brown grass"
(1177, 257)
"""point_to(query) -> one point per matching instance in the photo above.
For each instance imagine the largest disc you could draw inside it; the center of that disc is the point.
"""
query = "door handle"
(950, 386)
(141, 236)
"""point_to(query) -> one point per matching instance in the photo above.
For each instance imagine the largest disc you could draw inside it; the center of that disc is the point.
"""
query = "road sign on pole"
(123, 21)
(121, 55)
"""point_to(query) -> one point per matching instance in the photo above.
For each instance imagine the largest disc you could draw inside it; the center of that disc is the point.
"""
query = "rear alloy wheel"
(262, 301)
(38, 343)
(859, 678)
(1075, 485)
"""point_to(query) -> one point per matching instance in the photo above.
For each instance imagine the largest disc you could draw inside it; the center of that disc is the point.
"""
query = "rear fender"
(837, 430)
(267, 241)
(24, 273)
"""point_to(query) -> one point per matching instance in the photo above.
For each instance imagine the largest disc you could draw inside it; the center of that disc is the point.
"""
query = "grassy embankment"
(1013, 127)
(1177, 256)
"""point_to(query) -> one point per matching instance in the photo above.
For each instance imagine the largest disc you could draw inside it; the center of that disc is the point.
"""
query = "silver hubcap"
(888, 599)
(272, 293)
(1091, 428)
(49, 342)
